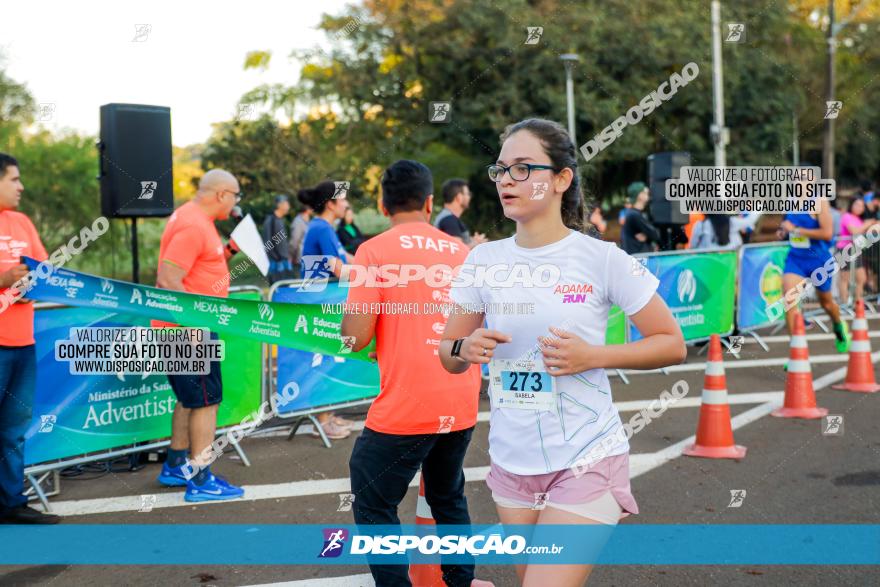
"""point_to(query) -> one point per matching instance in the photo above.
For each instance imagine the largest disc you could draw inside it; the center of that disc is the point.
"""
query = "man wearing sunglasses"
(456, 199)
(192, 258)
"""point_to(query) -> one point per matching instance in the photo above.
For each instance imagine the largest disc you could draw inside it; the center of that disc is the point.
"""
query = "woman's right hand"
(480, 346)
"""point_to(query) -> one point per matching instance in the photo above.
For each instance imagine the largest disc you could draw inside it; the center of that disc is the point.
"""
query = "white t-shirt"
(592, 275)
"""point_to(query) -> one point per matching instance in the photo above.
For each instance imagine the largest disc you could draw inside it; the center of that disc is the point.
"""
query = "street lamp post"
(834, 29)
(718, 130)
(569, 59)
(828, 136)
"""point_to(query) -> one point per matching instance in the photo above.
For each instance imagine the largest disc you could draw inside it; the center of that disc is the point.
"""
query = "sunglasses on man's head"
(238, 195)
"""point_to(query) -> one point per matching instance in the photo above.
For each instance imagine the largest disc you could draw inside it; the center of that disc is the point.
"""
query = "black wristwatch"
(230, 249)
(456, 350)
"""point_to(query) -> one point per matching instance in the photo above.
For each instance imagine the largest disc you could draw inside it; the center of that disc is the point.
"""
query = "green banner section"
(615, 330)
(75, 415)
(243, 376)
(700, 290)
(302, 326)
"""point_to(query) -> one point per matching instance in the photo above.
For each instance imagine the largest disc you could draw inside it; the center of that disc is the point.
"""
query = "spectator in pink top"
(852, 225)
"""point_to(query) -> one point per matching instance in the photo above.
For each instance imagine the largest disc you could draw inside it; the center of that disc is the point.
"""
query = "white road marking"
(640, 464)
(627, 406)
(651, 461)
(364, 580)
(818, 336)
(742, 364)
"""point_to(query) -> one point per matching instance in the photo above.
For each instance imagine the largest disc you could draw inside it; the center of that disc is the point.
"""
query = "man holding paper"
(192, 258)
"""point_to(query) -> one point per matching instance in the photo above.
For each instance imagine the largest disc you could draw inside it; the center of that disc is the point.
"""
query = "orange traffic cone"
(860, 370)
(714, 434)
(428, 575)
(800, 399)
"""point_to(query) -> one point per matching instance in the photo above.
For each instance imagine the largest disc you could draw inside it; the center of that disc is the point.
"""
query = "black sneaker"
(27, 515)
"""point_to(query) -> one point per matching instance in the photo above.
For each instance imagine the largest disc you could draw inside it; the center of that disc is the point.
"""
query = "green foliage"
(369, 88)
(363, 97)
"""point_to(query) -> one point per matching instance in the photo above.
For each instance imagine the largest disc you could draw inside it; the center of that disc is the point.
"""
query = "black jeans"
(382, 467)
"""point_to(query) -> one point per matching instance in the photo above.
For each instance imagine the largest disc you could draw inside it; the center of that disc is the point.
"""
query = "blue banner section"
(760, 283)
(314, 379)
(731, 544)
(76, 415)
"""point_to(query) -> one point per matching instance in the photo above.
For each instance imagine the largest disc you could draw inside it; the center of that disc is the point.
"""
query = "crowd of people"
(430, 363)
(639, 235)
(325, 213)
(812, 239)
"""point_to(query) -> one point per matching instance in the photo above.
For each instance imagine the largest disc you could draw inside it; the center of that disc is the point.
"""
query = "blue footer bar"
(631, 544)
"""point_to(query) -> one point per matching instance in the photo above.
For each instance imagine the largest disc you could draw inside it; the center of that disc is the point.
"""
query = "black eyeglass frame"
(506, 169)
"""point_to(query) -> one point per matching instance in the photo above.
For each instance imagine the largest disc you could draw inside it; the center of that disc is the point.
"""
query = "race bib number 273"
(521, 384)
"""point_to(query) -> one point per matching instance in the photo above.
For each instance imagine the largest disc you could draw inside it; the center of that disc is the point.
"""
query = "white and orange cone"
(425, 575)
(800, 399)
(860, 369)
(714, 432)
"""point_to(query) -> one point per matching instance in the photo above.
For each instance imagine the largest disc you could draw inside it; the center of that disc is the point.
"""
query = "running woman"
(534, 443)
(323, 254)
(852, 225)
(809, 237)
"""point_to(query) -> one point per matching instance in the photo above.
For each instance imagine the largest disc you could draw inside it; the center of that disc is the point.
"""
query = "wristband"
(456, 349)
(230, 249)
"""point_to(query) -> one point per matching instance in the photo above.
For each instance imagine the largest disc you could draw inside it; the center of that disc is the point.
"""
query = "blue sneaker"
(213, 489)
(222, 481)
(172, 476)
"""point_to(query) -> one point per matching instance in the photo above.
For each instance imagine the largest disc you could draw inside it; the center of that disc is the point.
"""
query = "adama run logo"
(575, 293)
(334, 542)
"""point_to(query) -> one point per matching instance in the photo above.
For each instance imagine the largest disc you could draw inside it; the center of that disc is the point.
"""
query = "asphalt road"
(792, 474)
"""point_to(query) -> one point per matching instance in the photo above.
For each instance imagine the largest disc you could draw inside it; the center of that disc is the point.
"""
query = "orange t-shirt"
(18, 237)
(417, 395)
(689, 227)
(191, 242)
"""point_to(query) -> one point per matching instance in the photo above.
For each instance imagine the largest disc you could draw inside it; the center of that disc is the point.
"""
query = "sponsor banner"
(74, 415)
(315, 379)
(291, 544)
(302, 326)
(760, 283)
(699, 289)
(615, 330)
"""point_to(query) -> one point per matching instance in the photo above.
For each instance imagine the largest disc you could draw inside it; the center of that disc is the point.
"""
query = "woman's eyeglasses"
(518, 171)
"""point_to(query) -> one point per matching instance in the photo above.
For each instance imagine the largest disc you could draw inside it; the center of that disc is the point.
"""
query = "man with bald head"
(192, 258)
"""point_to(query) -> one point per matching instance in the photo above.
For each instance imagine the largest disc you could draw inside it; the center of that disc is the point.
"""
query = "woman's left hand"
(568, 353)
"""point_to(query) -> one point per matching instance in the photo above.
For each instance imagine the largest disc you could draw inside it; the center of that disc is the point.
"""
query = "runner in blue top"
(323, 256)
(810, 257)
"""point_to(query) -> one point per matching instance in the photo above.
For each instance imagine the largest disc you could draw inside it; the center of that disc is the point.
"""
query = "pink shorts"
(581, 495)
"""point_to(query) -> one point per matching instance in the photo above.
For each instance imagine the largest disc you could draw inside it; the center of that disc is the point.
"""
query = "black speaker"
(135, 161)
(663, 166)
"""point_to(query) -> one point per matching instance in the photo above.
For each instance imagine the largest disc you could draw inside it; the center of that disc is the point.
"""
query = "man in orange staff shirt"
(18, 357)
(424, 416)
(192, 258)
